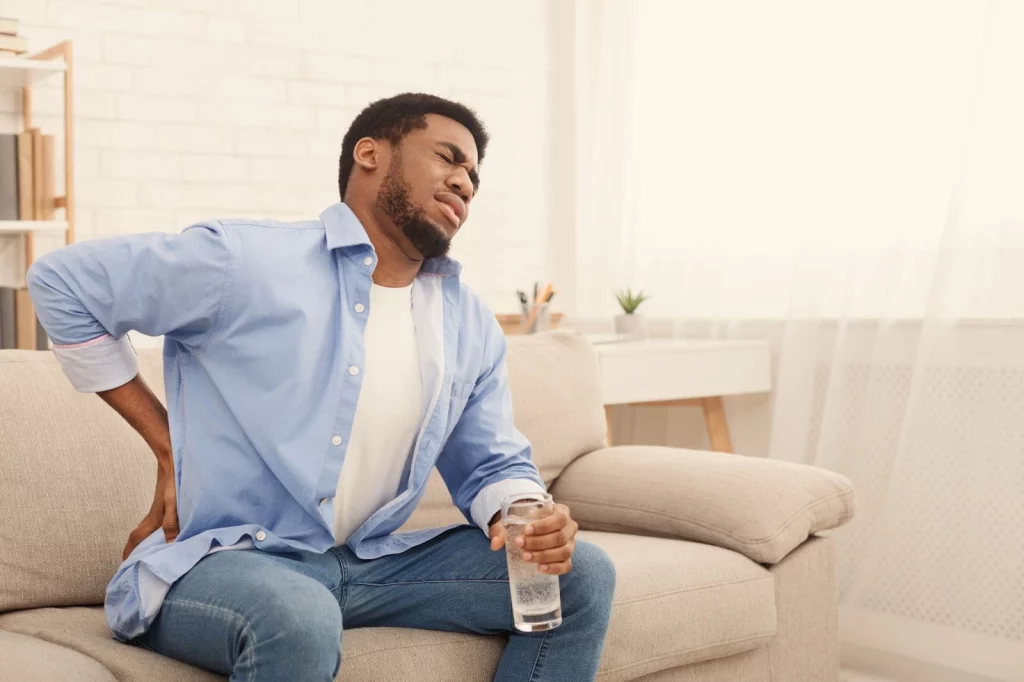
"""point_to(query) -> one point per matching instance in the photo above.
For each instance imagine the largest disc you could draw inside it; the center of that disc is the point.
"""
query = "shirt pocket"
(459, 397)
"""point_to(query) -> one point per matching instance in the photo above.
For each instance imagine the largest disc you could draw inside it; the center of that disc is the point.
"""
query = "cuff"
(488, 501)
(100, 364)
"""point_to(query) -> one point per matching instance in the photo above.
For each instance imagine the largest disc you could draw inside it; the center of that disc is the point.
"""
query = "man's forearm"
(140, 407)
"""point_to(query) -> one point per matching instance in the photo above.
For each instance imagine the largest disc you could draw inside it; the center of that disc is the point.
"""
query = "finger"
(556, 569)
(170, 519)
(497, 535)
(550, 556)
(549, 524)
(549, 541)
(140, 533)
(170, 524)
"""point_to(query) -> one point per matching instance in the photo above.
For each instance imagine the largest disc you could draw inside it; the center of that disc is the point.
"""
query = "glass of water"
(536, 602)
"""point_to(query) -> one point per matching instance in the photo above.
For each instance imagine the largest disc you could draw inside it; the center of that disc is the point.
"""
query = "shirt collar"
(344, 230)
(343, 227)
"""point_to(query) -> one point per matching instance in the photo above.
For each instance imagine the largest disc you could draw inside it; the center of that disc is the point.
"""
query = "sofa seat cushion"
(370, 654)
(28, 659)
(679, 602)
(676, 603)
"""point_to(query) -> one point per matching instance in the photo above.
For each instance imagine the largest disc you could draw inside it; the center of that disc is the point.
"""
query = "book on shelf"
(8, 334)
(15, 44)
(26, 193)
(24, 320)
(8, 26)
(9, 177)
(19, 326)
(26, 175)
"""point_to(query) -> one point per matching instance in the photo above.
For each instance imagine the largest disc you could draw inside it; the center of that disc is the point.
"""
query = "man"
(316, 372)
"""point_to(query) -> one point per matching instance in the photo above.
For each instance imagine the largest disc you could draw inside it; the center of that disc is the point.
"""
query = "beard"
(393, 201)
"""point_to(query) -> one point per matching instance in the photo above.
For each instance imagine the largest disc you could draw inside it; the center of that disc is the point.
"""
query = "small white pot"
(633, 325)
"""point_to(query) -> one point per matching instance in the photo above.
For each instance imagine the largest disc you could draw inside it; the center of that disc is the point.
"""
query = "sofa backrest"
(556, 399)
(75, 478)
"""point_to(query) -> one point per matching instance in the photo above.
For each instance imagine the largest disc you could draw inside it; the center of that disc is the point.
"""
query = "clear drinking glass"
(536, 602)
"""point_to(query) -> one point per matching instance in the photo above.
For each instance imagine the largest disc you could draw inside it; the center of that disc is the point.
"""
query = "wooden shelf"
(8, 227)
(20, 72)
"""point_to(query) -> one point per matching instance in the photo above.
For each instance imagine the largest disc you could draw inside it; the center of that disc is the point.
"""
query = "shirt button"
(261, 536)
(368, 261)
(360, 307)
(336, 440)
(353, 370)
(323, 500)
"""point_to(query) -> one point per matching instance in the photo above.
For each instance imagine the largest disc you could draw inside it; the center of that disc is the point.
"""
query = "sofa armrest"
(761, 508)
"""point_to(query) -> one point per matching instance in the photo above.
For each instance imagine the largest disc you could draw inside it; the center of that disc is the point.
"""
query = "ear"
(367, 153)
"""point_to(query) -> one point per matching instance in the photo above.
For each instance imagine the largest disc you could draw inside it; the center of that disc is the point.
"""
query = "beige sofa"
(721, 575)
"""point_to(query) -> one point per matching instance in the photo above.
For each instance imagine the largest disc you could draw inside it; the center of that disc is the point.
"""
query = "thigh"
(232, 599)
(453, 582)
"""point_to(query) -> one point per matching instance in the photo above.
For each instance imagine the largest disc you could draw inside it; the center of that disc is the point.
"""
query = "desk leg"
(608, 424)
(718, 428)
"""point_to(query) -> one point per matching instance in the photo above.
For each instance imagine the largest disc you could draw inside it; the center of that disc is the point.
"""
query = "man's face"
(429, 185)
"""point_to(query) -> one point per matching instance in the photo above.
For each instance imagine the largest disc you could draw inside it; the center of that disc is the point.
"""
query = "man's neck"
(394, 267)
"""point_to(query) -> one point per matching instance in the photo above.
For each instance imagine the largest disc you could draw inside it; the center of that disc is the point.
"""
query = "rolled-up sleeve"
(486, 458)
(89, 295)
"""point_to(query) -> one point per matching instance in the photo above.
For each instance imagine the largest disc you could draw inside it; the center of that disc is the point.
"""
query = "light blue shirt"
(263, 349)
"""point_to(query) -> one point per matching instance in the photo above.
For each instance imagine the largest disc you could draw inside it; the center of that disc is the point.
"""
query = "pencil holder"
(536, 319)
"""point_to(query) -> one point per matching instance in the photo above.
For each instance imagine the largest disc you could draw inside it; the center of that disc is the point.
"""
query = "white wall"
(192, 109)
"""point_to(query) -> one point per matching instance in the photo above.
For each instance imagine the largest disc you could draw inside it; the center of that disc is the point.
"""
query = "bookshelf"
(38, 205)
(25, 227)
(23, 72)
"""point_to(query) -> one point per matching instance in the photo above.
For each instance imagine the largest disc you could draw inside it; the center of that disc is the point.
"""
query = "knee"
(306, 623)
(593, 575)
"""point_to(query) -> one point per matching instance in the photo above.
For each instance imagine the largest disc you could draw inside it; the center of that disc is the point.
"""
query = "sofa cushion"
(28, 659)
(680, 602)
(556, 389)
(761, 508)
(369, 654)
(74, 480)
(555, 380)
(675, 603)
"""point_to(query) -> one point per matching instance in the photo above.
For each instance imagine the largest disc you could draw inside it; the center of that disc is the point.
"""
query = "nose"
(459, 183)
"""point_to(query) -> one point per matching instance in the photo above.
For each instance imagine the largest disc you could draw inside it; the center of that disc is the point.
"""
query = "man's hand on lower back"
(548, 542)
(162, 514)
(137, 404)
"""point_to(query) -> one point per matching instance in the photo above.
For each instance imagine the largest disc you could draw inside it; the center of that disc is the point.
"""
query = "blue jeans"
(260, 617)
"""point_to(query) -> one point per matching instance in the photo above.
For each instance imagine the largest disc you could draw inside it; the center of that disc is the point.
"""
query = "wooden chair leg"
(718, 428)
(608, 424)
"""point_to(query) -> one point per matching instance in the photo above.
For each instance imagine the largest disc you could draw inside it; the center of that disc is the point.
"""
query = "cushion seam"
(750, 541)
(686, 651)
(697, 588)
(407, 646)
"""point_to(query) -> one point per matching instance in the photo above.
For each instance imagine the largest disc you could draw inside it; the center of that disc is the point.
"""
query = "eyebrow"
(459, 156)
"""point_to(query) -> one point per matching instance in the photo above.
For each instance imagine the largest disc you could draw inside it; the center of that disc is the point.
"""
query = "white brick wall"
(190, 109)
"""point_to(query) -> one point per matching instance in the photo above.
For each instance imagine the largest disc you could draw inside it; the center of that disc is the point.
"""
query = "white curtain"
(848, 180)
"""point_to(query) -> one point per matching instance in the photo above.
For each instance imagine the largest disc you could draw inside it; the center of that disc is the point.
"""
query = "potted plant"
(629, 322)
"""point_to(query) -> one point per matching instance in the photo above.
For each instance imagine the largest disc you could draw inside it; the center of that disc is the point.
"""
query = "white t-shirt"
(388, 415)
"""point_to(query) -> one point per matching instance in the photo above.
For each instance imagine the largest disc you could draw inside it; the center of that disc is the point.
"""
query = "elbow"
(36, 277)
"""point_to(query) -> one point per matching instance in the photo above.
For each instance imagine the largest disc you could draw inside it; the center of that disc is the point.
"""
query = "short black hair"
(395, 117)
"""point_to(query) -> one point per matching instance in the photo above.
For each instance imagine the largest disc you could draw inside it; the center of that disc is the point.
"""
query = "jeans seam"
(441, 582)
(237, 617)
(541, 651)
(343, 585)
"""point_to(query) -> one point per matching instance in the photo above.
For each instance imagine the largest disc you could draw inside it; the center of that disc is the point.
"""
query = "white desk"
(685, 372)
